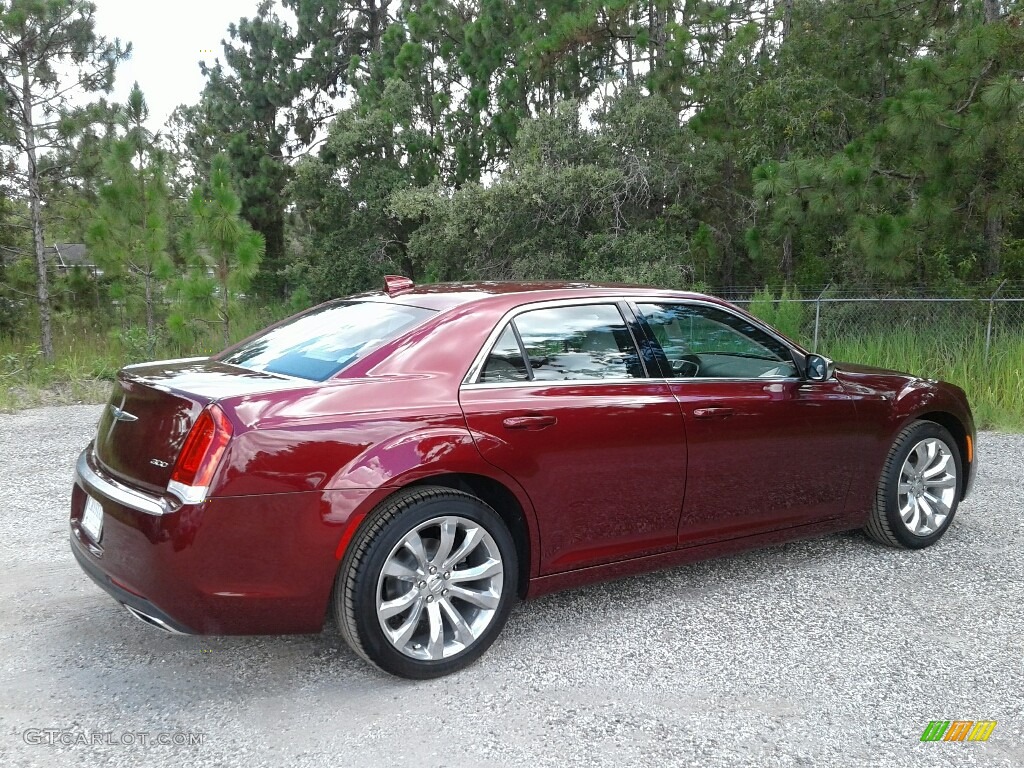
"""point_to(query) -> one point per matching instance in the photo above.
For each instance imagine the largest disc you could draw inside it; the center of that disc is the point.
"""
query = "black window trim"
(522, 348)
(523, 357)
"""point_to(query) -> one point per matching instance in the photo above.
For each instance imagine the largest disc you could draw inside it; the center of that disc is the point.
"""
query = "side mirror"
(819, 368)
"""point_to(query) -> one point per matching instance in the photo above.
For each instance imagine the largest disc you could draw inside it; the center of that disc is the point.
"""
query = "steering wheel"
(686, 366)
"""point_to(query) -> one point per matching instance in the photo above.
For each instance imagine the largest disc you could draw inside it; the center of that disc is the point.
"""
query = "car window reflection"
(578, 343)
(505, 361)
(706, 342)
(325, 340)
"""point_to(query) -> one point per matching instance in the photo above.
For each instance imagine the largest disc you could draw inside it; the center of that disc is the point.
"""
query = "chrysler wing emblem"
(122, 415)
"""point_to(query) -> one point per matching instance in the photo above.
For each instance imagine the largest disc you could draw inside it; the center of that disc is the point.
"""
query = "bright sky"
(169, 39)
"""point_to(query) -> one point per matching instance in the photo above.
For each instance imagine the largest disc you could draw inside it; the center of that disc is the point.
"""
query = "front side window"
(707, 342)
(319, 343)
(578, 342)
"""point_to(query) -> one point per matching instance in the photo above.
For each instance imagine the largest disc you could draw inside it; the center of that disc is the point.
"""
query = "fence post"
(991, 309)
(817, 315)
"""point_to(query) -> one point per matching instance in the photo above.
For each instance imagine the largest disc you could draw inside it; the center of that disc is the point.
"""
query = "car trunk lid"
(153, 407)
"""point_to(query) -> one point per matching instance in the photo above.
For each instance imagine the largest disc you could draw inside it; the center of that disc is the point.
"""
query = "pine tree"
(49, 52)
(129, 234)
(224, 252)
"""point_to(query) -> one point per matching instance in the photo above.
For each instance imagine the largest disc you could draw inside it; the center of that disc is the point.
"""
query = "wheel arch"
(942, 404)
(959, 432)
(503, 501)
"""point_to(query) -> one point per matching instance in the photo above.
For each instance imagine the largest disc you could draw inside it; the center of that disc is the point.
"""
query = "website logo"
(958, 730)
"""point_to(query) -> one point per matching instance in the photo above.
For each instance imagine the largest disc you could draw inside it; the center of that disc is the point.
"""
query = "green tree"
(919, 180)
(49, 52)
(129, 233)
(736, 142)
(269, 99)
(577, 201)
(246, 110)
(353, 237)
(224, 252)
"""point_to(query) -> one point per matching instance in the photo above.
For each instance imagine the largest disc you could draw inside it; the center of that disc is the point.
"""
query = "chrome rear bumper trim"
(93, 482)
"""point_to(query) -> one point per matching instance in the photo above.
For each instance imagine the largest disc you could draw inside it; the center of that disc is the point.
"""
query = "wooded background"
(867, 144)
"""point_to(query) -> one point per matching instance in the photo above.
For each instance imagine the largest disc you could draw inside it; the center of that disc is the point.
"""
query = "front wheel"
(919, 489)
(427, 586)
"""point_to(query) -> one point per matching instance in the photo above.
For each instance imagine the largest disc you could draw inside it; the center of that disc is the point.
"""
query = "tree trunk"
(376, 24)
(150, 327)
(787, 18)
(656, 22)
(993, 222)
(224, 308)
(787, 258)
(42, 286)
(268, 282)
(788, 269)
(993, 241)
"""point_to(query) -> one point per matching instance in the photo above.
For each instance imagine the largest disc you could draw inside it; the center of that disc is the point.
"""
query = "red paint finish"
(152, 426)
(229, 565)
(581, 577)
(772, 454)
(605, 471)
(604, 477)
(888, 401)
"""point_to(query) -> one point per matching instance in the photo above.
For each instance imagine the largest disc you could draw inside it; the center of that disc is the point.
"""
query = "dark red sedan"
(414, 460)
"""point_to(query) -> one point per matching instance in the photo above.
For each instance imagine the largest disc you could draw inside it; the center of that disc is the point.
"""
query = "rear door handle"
(712, 413)
(529, 422)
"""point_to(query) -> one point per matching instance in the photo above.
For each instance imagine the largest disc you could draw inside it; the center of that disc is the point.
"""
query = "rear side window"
(505, 362)
(578, 342)
(324, 341)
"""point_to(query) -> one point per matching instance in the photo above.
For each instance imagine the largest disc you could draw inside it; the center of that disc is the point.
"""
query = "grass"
(87, 358)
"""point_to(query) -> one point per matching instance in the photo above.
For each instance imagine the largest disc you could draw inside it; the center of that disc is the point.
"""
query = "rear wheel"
(427, 585)
(919, 489)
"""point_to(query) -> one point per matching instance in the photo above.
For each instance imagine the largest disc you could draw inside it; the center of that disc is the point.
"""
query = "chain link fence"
(834, 317)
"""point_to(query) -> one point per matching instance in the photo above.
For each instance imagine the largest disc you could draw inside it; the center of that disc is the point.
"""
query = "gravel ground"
(830, 652)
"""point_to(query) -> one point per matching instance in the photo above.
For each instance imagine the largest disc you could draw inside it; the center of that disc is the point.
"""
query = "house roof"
(68, 254)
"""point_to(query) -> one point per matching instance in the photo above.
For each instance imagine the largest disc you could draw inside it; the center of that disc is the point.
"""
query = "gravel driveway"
(830, 652)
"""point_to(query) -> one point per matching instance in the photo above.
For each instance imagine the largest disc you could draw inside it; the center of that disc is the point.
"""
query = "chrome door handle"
(712, 413)
(529, 422)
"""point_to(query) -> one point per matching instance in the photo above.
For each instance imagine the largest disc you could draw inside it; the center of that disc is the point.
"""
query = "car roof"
(443, 296)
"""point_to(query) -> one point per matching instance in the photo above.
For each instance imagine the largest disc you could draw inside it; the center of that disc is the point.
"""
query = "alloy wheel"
(927, 486)
(439, 588)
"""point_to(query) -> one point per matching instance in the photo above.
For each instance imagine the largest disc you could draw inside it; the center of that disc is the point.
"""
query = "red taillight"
(203, 449)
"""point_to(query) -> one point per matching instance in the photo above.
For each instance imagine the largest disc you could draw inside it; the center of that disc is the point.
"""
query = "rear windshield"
(322, 342)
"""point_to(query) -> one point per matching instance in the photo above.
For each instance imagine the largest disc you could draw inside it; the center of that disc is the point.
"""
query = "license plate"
(92, 519)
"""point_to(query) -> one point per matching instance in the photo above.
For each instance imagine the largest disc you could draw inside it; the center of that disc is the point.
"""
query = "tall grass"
(87, 356)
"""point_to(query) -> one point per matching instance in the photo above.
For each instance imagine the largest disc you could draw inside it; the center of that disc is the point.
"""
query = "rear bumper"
(259, 564)
(135, 603)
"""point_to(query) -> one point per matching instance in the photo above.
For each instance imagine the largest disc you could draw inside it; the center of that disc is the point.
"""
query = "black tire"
(359, 578)
(886, 525)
